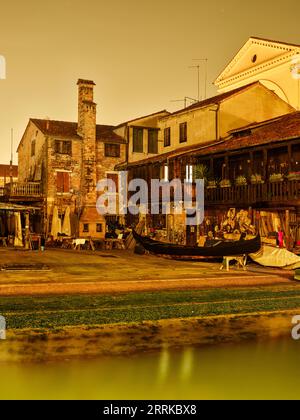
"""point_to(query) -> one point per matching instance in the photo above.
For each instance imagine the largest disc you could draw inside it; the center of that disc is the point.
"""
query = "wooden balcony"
(25, 191)
(283, 192)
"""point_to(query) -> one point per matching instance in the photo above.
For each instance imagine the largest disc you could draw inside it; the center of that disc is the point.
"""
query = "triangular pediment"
(255, 53)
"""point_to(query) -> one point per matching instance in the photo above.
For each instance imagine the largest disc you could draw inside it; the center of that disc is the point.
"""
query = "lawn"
(75, 310)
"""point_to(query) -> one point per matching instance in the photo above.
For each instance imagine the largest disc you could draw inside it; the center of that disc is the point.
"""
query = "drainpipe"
(216, 110)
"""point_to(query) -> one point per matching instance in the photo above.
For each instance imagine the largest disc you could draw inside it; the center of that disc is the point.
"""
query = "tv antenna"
(185, 100)
(203, 60)
(11, 156)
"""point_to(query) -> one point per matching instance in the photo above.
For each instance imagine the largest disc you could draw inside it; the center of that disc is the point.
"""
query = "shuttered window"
(138, 143)
(112, 150)
(167, 137)
(183, 132)
(33, 147)
(114, 177)
(63, 147)
(152, 141)
(62, 182)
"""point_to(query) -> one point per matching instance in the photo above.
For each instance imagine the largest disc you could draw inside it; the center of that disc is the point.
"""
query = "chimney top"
(85, 82)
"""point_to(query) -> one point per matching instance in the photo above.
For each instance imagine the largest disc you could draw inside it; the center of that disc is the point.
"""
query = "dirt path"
(140, 285)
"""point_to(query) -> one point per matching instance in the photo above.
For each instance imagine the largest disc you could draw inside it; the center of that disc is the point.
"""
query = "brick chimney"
(87, 130)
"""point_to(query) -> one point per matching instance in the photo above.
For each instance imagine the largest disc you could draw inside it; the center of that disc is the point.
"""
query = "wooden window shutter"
(66, 177)
(60, 182)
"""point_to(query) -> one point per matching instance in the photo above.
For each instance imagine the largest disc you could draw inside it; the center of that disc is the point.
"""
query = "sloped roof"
(68, 129)
(279, 49)
(276, 42)
(141, 118)
(278, 129)
(215, 99)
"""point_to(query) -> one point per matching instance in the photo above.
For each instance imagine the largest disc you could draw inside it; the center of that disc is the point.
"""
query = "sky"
(138, 52)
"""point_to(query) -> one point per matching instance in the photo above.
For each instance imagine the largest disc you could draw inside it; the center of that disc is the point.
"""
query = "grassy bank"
(88, 310)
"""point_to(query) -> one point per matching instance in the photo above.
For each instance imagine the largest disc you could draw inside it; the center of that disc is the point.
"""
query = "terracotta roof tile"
(68, 129)
(5, 171)
(278, 129)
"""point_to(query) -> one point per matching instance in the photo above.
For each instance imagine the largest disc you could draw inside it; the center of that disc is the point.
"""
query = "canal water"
(252, 370)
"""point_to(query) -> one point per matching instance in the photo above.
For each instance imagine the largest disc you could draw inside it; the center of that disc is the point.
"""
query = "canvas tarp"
(66, 227)
(18, 230)
(270, 256)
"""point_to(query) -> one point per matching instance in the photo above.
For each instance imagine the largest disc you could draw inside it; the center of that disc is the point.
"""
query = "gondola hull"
(220, 250)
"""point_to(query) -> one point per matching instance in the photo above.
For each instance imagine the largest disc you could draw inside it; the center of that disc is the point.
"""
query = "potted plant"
(200, 171)
(293, 176)
(241, 180)
(276, 178)
(225, 183)
(256, 179)
(212, 183)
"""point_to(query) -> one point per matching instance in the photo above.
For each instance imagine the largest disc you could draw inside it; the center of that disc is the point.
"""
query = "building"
(8, 173)
(61, 162)
(244, 142)
(275, 64)
(142, 136)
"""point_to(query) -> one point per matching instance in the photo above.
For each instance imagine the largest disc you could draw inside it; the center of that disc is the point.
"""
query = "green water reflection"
(252, 370)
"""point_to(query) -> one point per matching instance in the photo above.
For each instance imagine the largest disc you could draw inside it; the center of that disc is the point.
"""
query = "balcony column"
(251, 163)
(265, 163)
(226, 160)
(27, 231)
(211, 166)
(287, 230)
(290, 157)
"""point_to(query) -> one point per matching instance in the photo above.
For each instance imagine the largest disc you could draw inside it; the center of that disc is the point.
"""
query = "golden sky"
(137, 51)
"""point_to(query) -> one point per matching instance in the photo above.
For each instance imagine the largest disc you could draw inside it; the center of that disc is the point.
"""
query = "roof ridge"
(217, 98)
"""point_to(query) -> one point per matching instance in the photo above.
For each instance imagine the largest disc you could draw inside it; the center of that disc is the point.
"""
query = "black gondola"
(220, 249)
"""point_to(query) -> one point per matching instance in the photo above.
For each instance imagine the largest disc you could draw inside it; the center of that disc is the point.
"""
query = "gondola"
(220, 249)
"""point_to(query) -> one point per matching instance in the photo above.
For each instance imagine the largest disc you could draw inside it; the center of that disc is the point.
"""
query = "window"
(63, 147)
(33, 147)
(167, 137)
(112, 150)
(153, 141)
(86, 227)
(182, 132)
(99, 227)
(62, 182)
(115, 178)
(138, 145)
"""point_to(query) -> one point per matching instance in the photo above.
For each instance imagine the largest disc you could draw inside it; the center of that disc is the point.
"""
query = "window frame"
(136, 139)
(63, 147)
(33, 147)
(86, 228)
(183, 132)
(112, 146)
(154, 150)
(167, 137)
(65, 187)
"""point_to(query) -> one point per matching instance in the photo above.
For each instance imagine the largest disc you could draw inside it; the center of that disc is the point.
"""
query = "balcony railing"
(23, 190)
(276, 192)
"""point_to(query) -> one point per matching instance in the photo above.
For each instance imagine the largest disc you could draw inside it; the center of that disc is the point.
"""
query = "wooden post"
(211, 167)
(265, 163)
(226, 171)
(287, 230)
(27, 231)
(251, 164)
(290, 157)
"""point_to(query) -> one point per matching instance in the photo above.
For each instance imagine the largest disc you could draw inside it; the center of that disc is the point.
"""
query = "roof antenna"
(205, 60)
(11, 156)
(185, 100)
